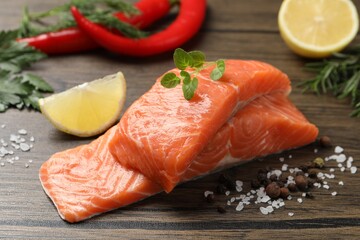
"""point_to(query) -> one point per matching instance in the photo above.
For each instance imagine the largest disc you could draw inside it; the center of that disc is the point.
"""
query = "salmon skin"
(163, 140)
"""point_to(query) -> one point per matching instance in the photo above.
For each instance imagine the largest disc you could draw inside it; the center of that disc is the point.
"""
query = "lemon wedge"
(88, 109)
(318, 28)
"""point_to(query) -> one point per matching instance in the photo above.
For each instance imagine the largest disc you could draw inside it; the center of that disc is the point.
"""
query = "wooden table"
(233, 29)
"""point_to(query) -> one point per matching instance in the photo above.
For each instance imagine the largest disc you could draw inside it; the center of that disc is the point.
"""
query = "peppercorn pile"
(273, 187)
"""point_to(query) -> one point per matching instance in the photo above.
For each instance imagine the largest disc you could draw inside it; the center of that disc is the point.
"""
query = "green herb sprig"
(18, 89)
(339, 74)
(98, 11)
(197, 62)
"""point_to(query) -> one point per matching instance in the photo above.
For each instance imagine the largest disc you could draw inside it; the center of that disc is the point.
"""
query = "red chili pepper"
(185, 26)
(72, 40)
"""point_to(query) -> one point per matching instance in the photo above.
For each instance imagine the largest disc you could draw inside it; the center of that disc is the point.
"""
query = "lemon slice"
(88, 109)
(318, 28)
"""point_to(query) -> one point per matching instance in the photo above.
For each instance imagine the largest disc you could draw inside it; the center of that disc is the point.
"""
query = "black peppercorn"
(262, 170)
(284, 192)
(325, 142)
(265, 182)
(292, 187)
(309, 195)
(261, 176)
(301, 182)
(210, 198)
(311, 182)
(283, 178)
(221, 209)
(227, 181)
(221, 189)
(313, 173)
(255, 184)
(304, 168)
(280, 183)
(273, 178)
(273, 190)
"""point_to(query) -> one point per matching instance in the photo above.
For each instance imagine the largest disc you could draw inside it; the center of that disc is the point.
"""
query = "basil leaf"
(198, 58)
(189, 89)
(218, 71)
(170, 80)
(182, 59)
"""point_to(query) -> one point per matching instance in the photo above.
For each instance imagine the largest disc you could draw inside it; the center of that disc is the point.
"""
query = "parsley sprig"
(194, 61)
(339, 74)
(19, 89)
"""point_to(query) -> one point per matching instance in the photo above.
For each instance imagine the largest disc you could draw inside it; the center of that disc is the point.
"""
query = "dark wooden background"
(233, 29)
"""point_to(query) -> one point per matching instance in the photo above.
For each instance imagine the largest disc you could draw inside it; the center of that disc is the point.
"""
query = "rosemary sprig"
(196, 61)
(339, 74)
(98, 11)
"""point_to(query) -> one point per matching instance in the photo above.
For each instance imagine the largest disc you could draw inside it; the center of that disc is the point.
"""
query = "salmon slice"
(267, 125)
(88, 180)
(161, 134)
(85, 181)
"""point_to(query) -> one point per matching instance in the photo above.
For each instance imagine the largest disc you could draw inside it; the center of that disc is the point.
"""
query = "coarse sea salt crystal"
(264, 210)
(281, 159)
(332, 170)
(341, 183)
(342, 169)
(3, 125)
(291, 214)
(227, 193)
(353, 170)
(315, 150)
(349, 162)
(299, 200)
(206, 193)
(239, 207)
(284, 167)
(265, 199)
(22, 132)
(338, 158)
(239, 183)
(24, 147)
(338, 149)
(326, 186)
(270, 209)
(239, 188)
(334, 193)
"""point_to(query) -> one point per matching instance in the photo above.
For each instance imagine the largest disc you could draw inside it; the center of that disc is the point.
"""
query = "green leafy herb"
(218, 71)
(197, 62)
(339, 74)
(98, 11)
(18, 89)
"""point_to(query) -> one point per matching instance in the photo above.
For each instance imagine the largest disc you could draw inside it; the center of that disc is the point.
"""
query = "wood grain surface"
(233, 29)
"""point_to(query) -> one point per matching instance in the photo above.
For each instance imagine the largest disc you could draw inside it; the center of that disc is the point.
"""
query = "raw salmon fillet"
(91, 179)
(164, 132)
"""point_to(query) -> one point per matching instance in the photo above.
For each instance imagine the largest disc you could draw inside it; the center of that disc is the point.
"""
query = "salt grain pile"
(14, 144)
(268, 205)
